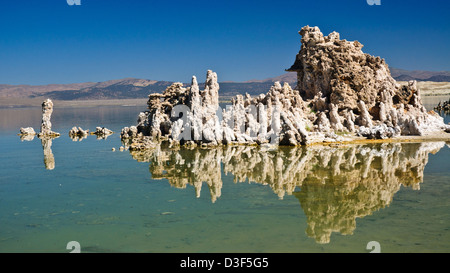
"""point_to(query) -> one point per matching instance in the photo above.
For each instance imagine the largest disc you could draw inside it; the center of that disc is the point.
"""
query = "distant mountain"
(439, 78)
(397, 74)
(419, 75)
(290, 77)
(119, 89)
(113, 89)
(140, 88)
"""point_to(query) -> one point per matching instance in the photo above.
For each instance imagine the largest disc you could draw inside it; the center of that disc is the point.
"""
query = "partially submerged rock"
(78, 134)
(27, 131)
(27, 134)
(102, 132)
(443, 106)
(341, 93)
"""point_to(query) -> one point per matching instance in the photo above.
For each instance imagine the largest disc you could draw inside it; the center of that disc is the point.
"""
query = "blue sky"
(48, 41)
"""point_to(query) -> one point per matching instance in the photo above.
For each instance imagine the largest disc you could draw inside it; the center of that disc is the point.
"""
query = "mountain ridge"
(127, 88)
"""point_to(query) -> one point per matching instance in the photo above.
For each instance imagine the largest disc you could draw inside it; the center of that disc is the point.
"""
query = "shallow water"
(236, 199)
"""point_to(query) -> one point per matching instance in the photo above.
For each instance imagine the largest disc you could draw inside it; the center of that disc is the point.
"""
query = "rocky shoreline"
(342, 95)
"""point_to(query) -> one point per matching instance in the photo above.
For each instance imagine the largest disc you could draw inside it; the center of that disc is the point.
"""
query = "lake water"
(233, 199)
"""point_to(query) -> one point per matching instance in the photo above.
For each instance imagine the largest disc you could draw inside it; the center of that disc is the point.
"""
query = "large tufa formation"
(342, 93)
(336, 77)
(191, 116)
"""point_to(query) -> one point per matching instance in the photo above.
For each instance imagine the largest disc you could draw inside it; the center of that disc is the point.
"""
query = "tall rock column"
(46, 125)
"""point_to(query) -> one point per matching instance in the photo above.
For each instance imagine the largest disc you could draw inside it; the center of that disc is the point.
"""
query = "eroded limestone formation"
(342, 93)
(334, 185)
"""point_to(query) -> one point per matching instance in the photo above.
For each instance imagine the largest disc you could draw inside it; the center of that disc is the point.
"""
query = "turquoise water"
(236, 199)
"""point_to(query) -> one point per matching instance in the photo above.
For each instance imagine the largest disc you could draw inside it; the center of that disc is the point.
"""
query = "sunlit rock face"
(335, 73)
(334, 185)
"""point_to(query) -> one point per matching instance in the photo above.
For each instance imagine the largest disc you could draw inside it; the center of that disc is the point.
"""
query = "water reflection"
(46, 141)
(49, 159)
(334, 185)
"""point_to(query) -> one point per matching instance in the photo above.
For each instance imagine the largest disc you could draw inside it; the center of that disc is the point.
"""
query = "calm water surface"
(235, 199)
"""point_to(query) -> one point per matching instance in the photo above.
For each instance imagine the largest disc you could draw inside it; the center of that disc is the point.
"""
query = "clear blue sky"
(48, 41)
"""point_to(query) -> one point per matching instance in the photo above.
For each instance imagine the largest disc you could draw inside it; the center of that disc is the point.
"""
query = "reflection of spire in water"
(338, 184)
(192, 167)
(49, 159)
(368, 179)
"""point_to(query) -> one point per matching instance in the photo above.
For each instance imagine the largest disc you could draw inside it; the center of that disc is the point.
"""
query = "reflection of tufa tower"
(49, 159)
(355, 182)
(337, 184)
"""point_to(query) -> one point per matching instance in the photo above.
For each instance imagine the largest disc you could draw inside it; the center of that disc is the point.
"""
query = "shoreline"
(36, 102)
(438, 137)
(429, 91)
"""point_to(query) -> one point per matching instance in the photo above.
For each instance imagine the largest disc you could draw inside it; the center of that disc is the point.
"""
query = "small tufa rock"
(78, 134)
(102, 132)
(27, 134)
